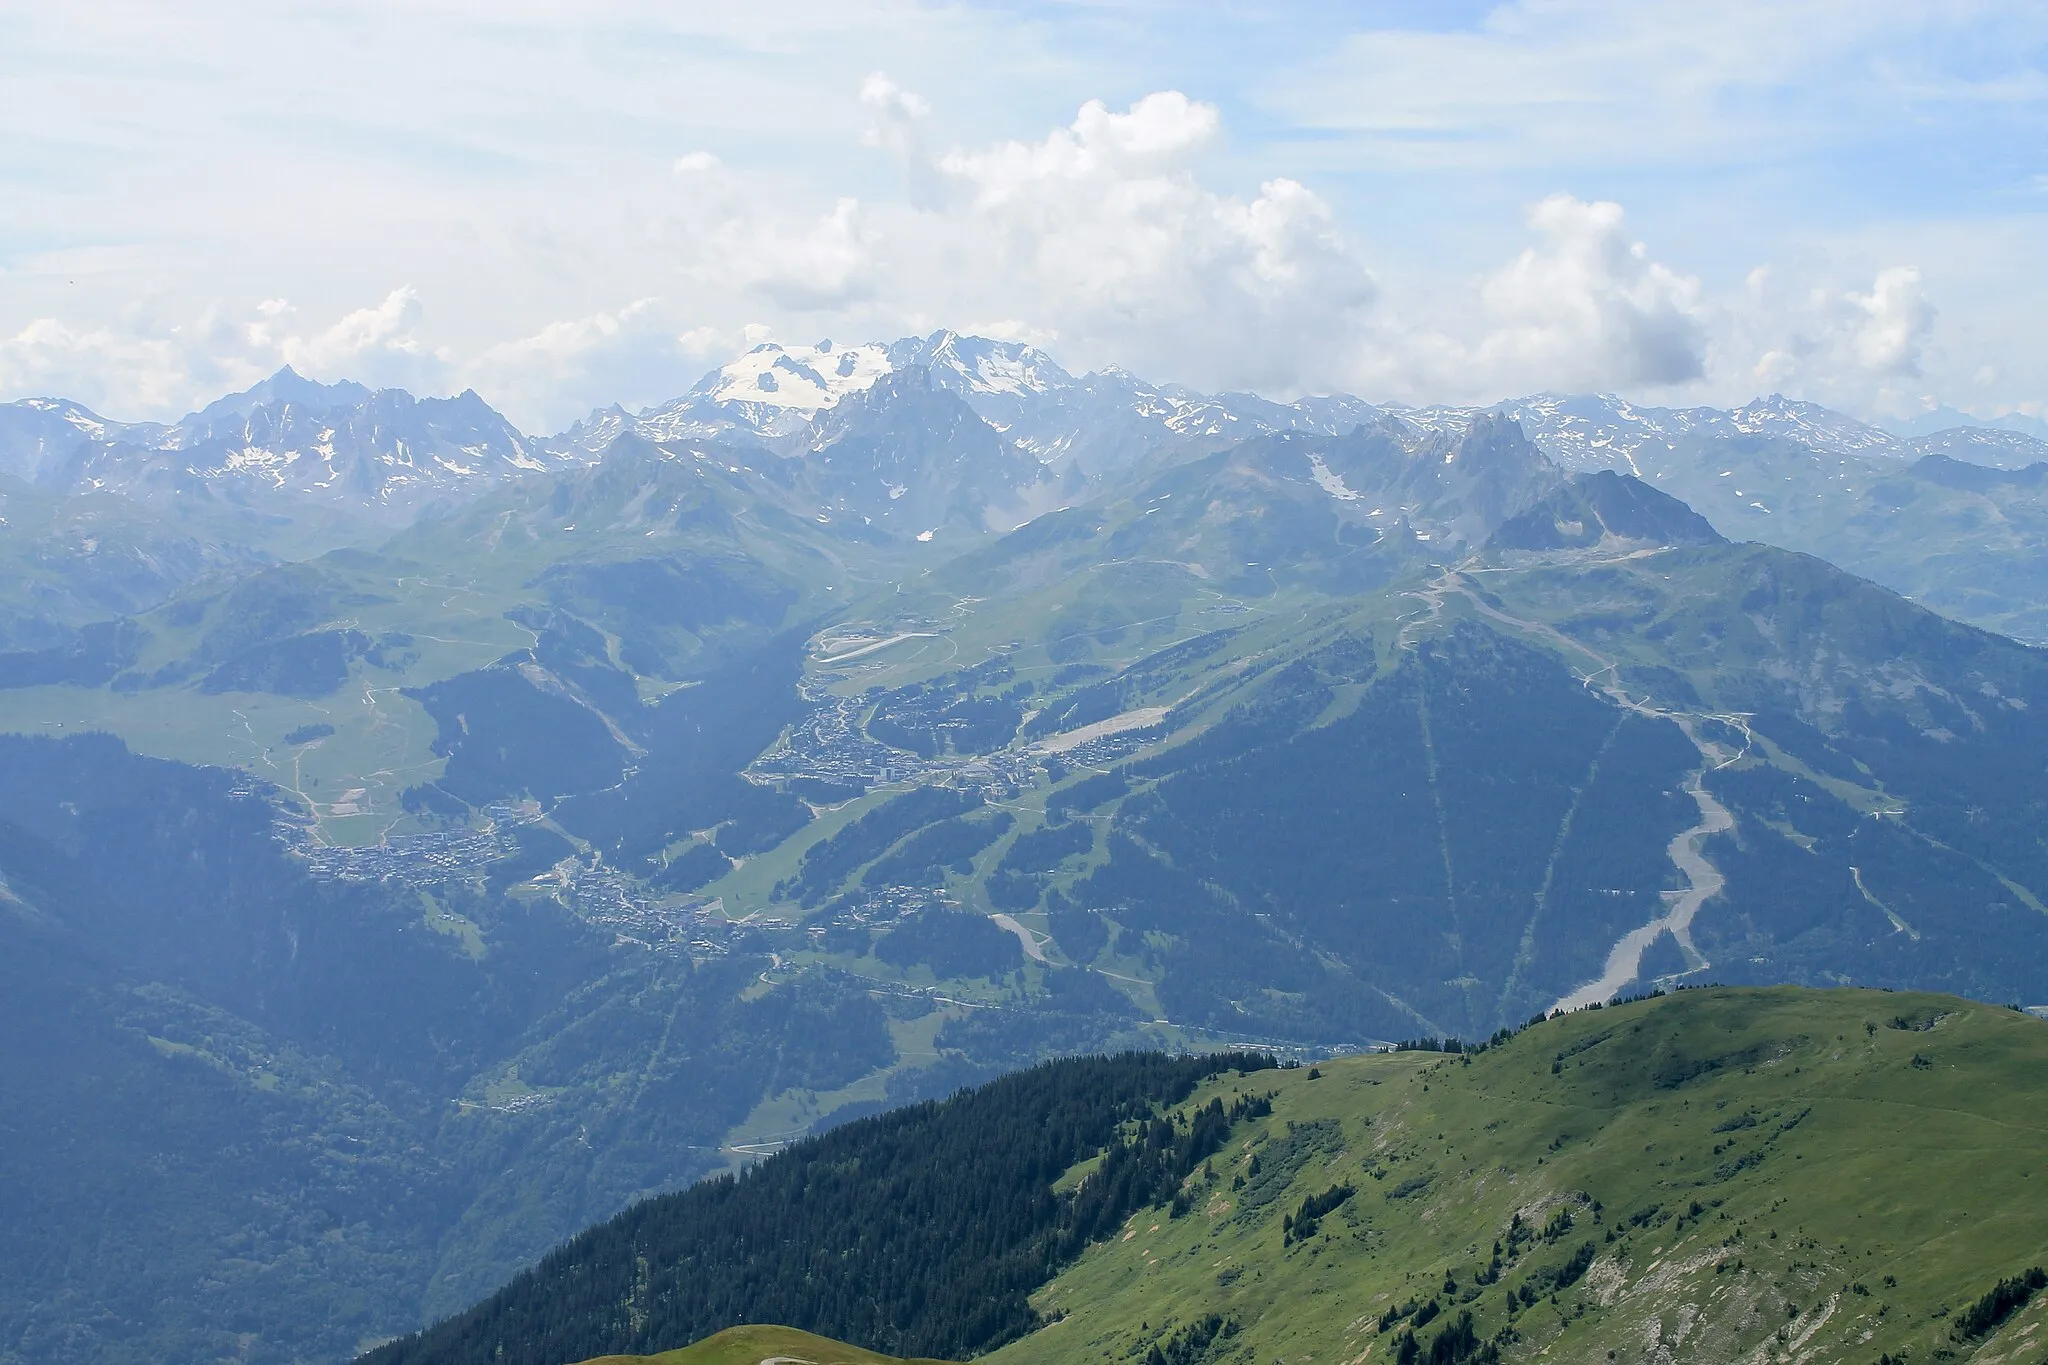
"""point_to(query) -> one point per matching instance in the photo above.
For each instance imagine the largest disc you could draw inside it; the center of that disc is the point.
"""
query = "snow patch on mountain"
(803, 378)
(962, 429)
(1589, 431)
(976, 367)
(342, 445)
(1812, 425)
(1330, 481)
(1996, 447)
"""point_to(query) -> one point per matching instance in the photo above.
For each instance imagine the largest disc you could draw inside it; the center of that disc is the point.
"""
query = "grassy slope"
(755, 1345)
(1923, 1173)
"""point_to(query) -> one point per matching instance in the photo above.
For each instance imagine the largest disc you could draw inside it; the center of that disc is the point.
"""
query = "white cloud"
(897, 126)
(1360, 226)
(1896, 323)
(1100, 235)
(378, 345)
(104, 367)
(892, 104)
(1099, 148)
(1586, 307)
(1013, 329)
(1853, 347)
(629, 355)
(823, 264)
(150, 365)
(1104, 232)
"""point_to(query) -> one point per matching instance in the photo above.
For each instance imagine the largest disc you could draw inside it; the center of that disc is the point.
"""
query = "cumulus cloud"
(897, 126)
(378, 345)
(1103, 237)
(826, 263)
(627, 355)
(898, 114)
(552, 162)
(1897, 319)
(150, 365)
(561, 341)
(1105, 228)
(1099, 232)
(105, 368)
(1856, 347)
(1586, 307)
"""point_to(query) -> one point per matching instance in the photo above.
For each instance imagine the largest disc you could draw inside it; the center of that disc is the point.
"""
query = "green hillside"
(1721, 1174)
(1717, 1175)
(756, 1345)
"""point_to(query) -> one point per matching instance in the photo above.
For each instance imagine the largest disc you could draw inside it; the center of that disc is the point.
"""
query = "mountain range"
(950, 436)
(420, 840)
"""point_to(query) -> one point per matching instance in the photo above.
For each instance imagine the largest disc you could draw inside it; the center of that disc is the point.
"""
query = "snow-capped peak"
(1809, 423)
(805, 378)
(381, 451)
(287, 386)
(981, 367)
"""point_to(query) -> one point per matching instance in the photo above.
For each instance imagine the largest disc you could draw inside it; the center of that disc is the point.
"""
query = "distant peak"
(287, 385)
(804, 378)
(1604, 510)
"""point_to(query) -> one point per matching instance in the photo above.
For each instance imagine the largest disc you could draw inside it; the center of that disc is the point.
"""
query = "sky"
(568, 205)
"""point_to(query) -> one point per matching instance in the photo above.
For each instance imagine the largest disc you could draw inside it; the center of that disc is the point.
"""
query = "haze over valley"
(1017, 684)
(849, 729)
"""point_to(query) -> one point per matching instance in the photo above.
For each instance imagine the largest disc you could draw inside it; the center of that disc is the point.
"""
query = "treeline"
(1302, 1224)
(1456, 1344)
(920, 1232)
(2006, 1298)
(1192, 1344)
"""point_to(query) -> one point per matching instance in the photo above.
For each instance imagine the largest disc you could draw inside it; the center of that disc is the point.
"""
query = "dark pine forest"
(919, 1232)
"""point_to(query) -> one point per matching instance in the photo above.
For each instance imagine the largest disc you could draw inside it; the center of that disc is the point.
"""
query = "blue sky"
(566, 205)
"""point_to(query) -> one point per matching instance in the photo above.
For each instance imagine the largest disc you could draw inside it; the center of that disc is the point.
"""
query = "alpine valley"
(421, 841)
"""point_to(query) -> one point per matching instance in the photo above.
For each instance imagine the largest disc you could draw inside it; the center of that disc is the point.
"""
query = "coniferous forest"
(919, 1232)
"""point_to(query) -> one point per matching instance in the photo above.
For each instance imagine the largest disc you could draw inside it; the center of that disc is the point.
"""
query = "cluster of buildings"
(830, 744)
(611, 900)
(428, 859)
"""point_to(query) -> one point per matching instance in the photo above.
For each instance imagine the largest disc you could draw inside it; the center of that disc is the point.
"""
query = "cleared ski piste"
(1143, 719)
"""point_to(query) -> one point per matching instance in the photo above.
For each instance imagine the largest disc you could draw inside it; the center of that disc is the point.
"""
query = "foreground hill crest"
(1700, 1177)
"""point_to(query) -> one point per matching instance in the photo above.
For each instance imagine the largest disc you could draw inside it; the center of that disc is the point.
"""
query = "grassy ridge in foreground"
(1720, 1175)
(755, 1345)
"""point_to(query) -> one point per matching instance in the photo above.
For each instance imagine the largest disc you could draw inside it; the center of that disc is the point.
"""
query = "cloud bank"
(1099, 239)
(584, 205)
